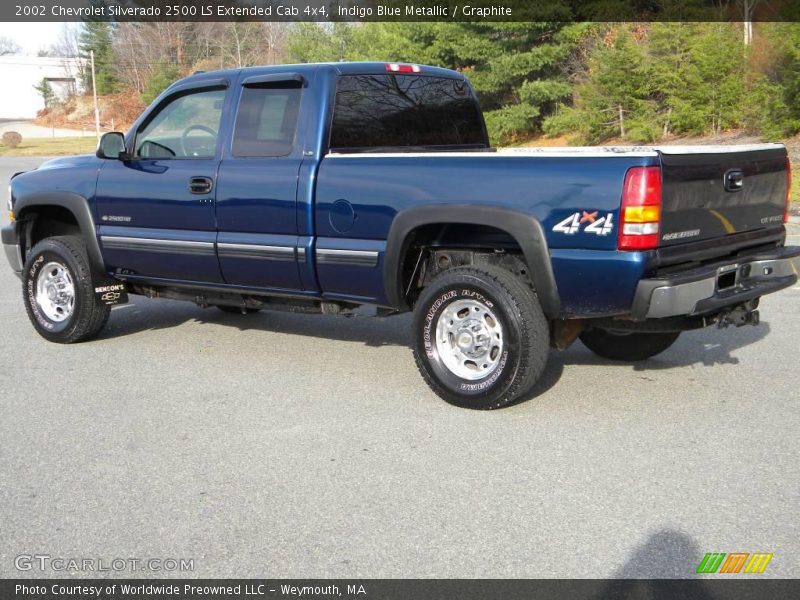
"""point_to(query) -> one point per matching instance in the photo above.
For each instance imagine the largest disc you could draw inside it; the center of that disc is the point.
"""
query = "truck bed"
(553, 183)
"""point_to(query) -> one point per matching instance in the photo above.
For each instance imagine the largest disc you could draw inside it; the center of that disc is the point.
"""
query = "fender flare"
(524, 228)
(78, 206)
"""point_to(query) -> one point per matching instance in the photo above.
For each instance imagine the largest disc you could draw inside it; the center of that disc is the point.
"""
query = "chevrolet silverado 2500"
(325, 187)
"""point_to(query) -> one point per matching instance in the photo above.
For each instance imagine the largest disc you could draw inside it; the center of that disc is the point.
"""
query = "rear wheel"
(630, 347)
(59, 293)
(481, 339)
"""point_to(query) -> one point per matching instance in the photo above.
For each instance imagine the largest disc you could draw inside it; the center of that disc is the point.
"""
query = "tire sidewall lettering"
(30, 282)
(443, 374)
(430, 318)
(30, 290)
(487, 383)
(476, 295)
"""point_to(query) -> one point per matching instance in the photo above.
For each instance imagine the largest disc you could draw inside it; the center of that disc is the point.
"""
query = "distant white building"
(19, 75)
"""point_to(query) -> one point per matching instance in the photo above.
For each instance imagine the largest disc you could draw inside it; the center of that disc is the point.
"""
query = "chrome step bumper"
(711, 287)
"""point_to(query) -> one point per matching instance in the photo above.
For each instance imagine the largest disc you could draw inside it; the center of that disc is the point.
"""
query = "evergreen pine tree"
(517, 69)
(96, 37)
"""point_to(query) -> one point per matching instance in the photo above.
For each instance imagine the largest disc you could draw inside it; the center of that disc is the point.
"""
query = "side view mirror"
(112, 146)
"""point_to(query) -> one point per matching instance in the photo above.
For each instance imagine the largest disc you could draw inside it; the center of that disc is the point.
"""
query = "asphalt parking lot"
(281, 445)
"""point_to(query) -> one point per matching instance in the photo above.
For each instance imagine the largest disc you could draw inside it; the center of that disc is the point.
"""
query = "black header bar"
(397, 10)
(398, 589)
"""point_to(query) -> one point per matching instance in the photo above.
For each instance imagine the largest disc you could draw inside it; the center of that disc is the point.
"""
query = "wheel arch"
(28, 209)
(522, 227)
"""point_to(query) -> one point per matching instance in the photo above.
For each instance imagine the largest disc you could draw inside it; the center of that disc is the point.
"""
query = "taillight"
(401, 68)
(788, 190)
(640, 210)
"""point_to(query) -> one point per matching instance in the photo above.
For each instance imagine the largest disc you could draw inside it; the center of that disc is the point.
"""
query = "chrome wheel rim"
(469, 339)
(55, 292)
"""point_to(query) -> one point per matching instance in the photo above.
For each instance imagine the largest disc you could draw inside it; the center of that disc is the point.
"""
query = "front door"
(258, 243)
(156, 211)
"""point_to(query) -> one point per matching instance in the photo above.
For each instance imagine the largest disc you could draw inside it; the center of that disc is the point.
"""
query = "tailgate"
(715, 192)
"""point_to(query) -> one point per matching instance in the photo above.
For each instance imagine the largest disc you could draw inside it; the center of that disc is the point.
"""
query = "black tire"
(525, 335)
(629, 347)
(87, 316)
(235, 310)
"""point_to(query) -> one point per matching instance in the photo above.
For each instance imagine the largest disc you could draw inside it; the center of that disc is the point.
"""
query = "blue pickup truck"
(323, 188)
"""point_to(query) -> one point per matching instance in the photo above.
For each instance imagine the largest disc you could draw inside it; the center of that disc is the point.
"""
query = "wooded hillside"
(637, 82)
(587, 82)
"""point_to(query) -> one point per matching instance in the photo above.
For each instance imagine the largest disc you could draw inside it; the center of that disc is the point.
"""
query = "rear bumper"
(12, 248)
(712, 287)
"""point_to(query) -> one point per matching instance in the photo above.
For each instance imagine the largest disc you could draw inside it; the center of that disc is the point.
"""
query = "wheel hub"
(473, 337)
(469, 339)
(465, 340)
(55, 292)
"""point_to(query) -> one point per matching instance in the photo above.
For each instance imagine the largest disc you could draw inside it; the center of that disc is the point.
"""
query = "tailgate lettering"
(679, 235)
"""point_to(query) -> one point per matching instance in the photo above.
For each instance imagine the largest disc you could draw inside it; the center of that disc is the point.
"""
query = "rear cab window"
(405, 112)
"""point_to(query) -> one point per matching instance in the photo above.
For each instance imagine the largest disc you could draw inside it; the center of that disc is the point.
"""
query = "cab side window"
(186, 127)
(266, 121)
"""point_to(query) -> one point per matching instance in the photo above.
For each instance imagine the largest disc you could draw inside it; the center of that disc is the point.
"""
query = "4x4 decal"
(598, 226)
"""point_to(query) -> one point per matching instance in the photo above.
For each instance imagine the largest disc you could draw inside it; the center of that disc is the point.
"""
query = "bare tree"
(130, 55)
(275, 37)
(748, 7)
(139, 48)
(227, 45)
(745, 8)
(66, 47)
(142, 48)
(243, 44)
(8, 46)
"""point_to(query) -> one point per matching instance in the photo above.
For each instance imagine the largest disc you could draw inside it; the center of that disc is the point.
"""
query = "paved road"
(28, 130)
(299, 446)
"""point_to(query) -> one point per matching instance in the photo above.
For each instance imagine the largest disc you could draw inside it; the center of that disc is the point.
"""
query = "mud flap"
(111, 292)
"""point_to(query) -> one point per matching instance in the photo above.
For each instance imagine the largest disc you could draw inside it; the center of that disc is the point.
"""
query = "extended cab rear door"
(257, 242)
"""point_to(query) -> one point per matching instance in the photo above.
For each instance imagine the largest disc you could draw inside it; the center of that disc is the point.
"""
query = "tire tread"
(92, 315)
(534, 335)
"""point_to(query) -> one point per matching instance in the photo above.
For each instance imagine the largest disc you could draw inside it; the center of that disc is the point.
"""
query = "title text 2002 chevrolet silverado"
(326, 187)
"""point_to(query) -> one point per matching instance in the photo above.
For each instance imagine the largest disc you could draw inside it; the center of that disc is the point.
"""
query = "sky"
(32, 37)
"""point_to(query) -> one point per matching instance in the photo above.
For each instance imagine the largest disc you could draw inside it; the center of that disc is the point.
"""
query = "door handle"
(200, 185)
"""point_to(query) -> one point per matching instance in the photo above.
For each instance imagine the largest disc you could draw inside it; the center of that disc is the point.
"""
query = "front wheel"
(630, 347)
(481, 339)
(58, 291)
